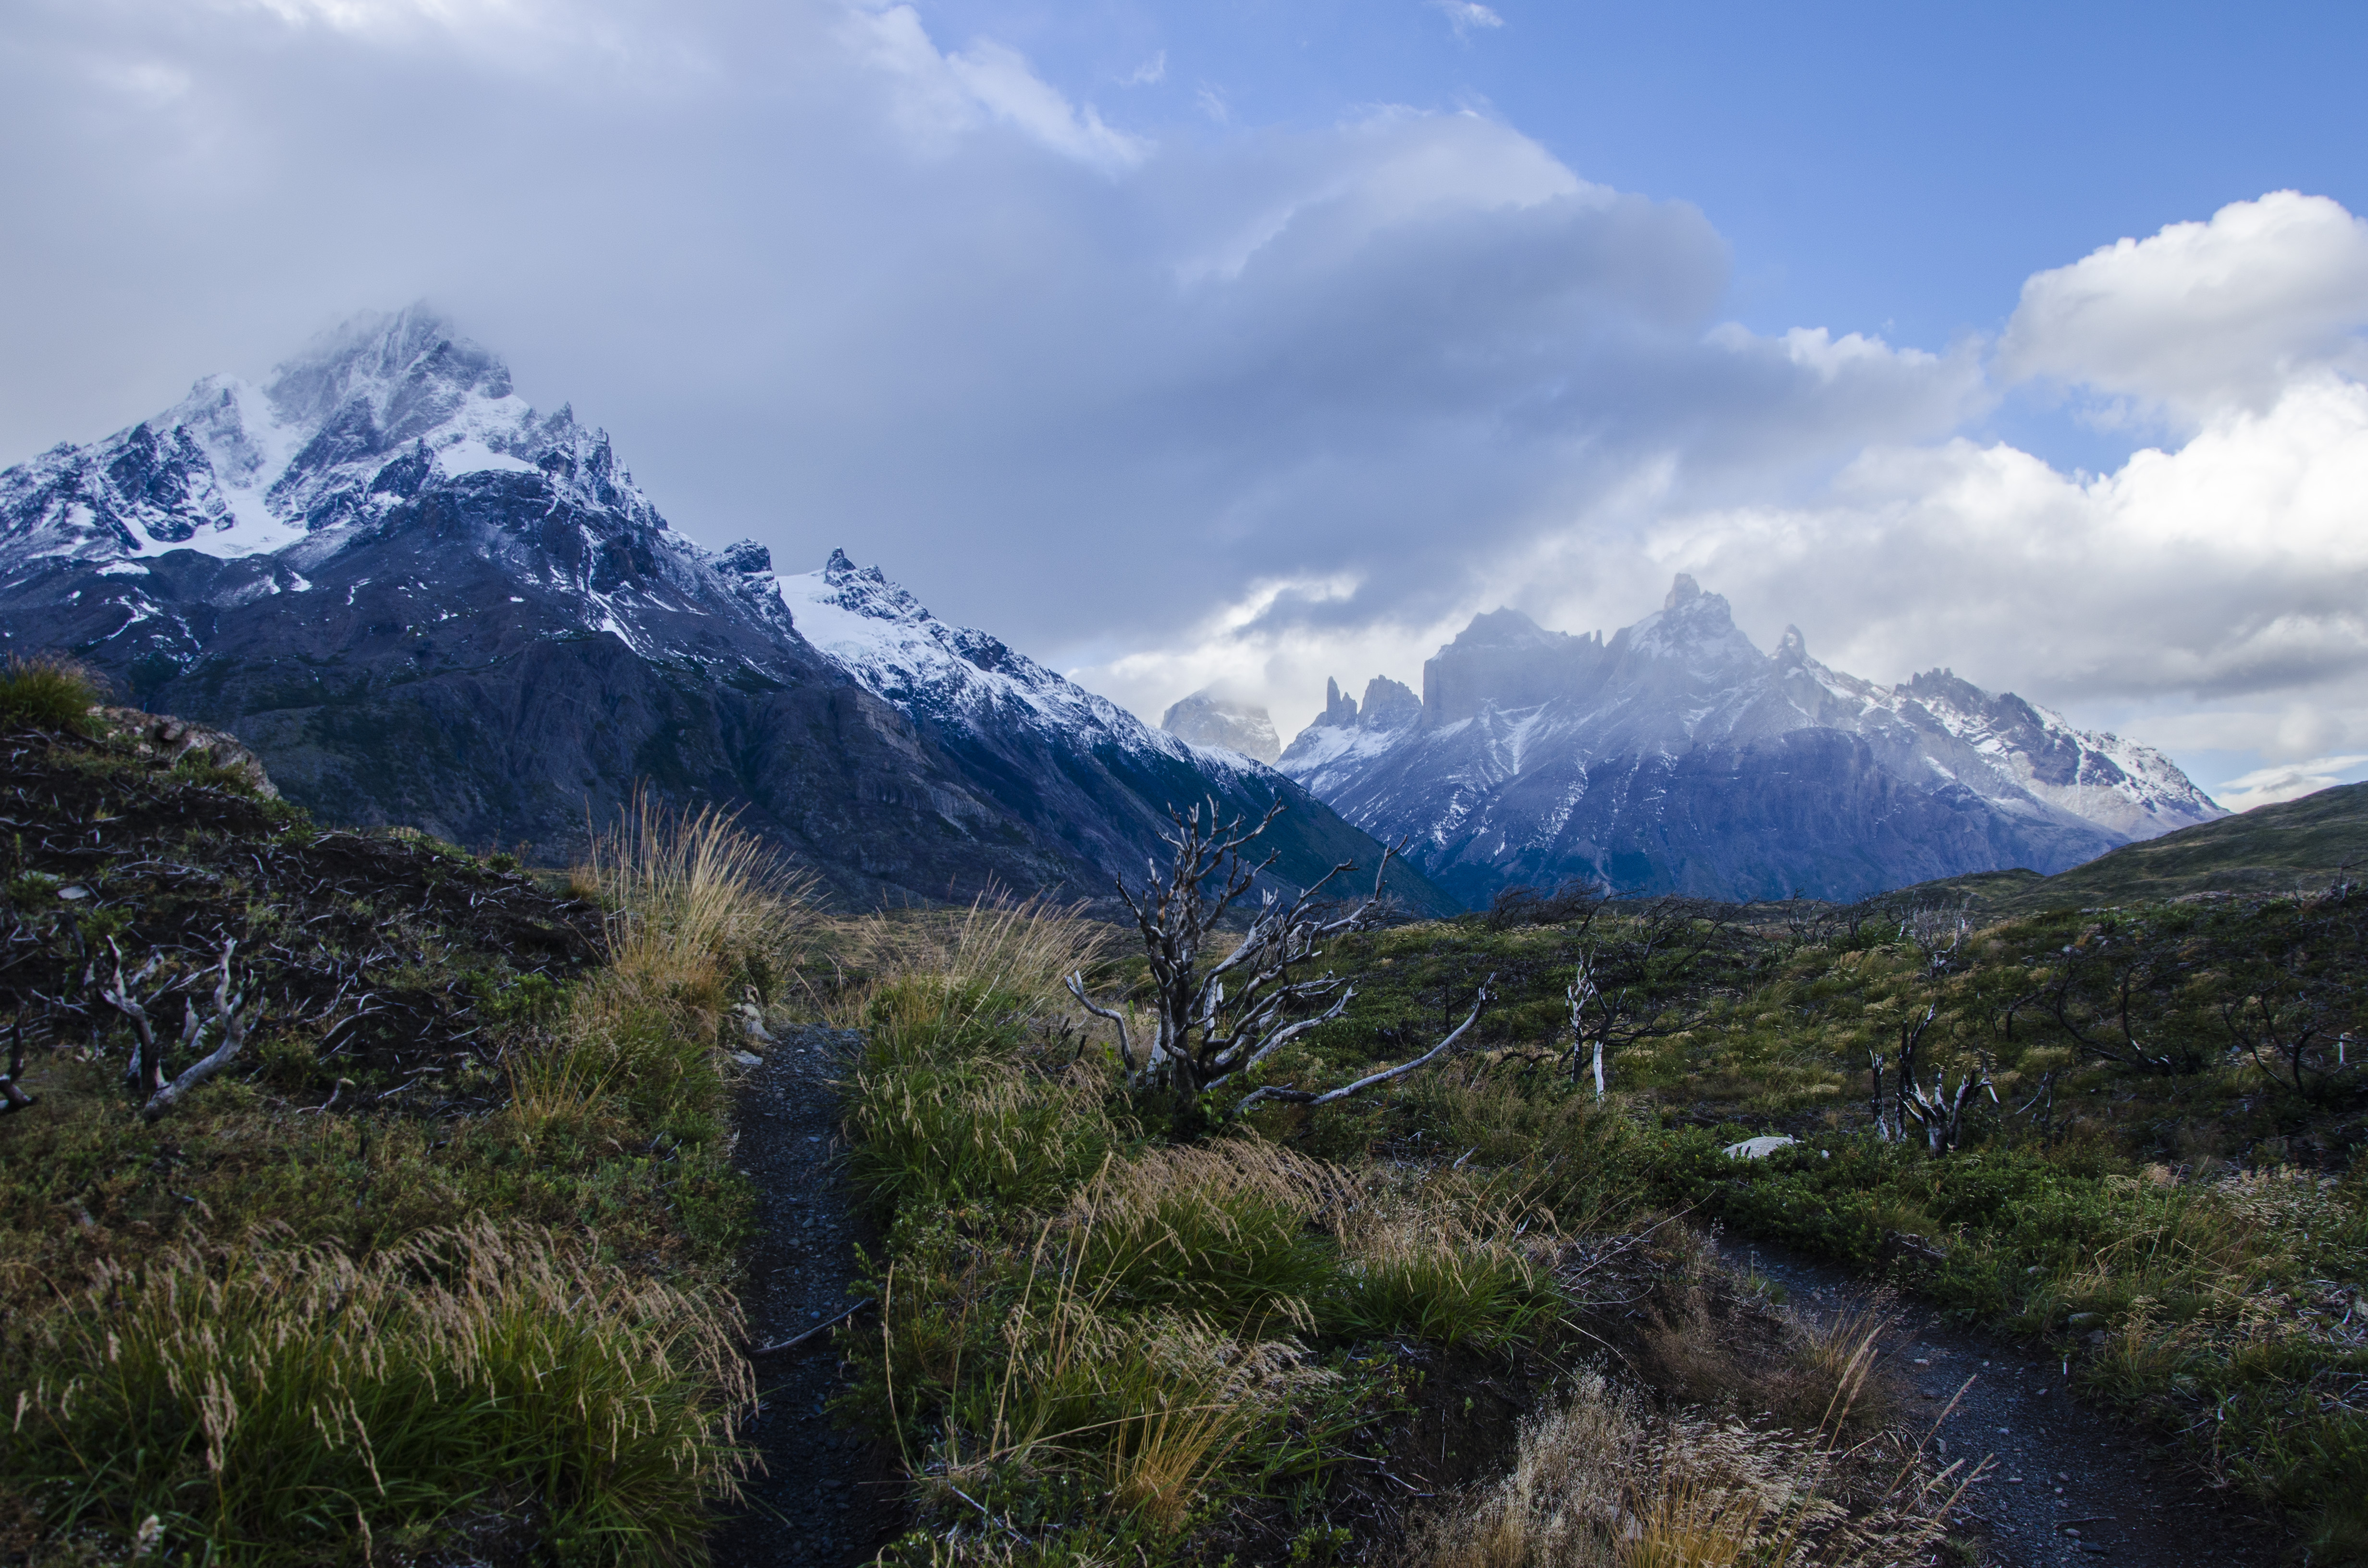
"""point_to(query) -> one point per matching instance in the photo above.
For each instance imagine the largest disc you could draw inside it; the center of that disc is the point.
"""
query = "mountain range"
(1675, 757)
(421, 601)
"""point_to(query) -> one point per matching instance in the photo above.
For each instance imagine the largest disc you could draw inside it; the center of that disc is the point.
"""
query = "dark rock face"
(1676, 757)
(420, 602)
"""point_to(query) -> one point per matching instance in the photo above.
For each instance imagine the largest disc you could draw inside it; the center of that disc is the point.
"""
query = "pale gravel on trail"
(2072, 1485)
(827, 1497)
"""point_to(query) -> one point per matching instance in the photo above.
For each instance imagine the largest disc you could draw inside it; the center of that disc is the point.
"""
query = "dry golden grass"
(698, 910)
(1596, 1483)
(234, 1393)
(690, 893)
(1019, 951)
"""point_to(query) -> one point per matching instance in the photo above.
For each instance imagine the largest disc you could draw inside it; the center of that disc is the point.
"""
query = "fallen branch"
(1310, 1097)
(235, 1018)
(797, 1339)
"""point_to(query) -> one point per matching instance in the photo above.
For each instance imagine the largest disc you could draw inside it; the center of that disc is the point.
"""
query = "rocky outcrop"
(164, 739)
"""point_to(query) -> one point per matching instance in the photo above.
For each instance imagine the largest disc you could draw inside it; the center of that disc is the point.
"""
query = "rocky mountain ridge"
(420, 601)
(1675, 757)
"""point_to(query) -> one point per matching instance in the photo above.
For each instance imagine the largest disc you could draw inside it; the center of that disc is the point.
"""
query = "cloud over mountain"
(1181, 402)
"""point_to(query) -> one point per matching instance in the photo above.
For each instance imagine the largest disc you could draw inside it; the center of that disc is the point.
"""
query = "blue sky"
(1247, 344)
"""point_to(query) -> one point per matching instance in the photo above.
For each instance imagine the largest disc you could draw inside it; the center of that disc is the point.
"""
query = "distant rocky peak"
(866, 591)
(1389, 705)
(747, 557)
(1207, 720)
(1508, 627)
(1792, 649)
(1694, 628)
(1944, 688)
(1339, 708)
(410, 368)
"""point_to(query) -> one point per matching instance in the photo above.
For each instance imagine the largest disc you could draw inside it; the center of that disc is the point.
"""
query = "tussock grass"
(1224, 1228)
(47, 692)
(699, 915)
(1443, 1257)
(306, 1333)
(951, 1106)
(1599, 1482)
(269, 1401)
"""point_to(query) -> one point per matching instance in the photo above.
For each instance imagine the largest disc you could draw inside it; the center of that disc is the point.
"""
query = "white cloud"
(2202, 317)
(2289, 781)
(943, 96)
(1262, 405)
(1465, 14)
(1150, 73)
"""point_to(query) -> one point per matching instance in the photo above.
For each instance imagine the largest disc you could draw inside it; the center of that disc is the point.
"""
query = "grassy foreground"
(1112, 1328)
(2168, 1186)
(436, 1268)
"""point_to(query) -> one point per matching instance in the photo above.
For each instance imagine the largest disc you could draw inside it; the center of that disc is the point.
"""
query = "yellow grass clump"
(699, 914)
(263, 1392)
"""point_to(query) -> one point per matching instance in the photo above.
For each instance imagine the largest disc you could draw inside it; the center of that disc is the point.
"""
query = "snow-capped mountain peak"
(886, 638)
(354, 424)
(1676, 754)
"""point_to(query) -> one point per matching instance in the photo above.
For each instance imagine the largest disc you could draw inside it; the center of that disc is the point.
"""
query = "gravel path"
(2071, 1483)
(827, 1498)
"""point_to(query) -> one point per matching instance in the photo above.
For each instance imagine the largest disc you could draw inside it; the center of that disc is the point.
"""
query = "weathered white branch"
(1126, 1048)
(1310, 1097)
(236, 1019)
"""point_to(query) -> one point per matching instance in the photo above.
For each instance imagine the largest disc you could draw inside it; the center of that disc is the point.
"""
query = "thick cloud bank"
(1177, 403)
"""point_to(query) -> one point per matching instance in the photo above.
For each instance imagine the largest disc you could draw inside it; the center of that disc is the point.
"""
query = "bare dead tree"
(1937, 933)
(1290, 1096)
(1601, 1021)
(1574, 903)
(1941, 1110)
(1212, 1022)
(144, 1075)
(231, 1021)
(2295, 1034)
(2094, 999)
(1938, 1110)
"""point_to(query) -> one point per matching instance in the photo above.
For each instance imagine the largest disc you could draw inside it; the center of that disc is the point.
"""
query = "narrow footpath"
(2071, 1485)
(826, 1498)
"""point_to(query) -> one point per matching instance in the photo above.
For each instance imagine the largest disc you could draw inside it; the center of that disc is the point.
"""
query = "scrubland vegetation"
(1099, 1336)
(441, 1266)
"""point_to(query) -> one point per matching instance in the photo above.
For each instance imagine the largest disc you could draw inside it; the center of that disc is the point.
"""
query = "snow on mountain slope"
(1675, 748)
(421, 601)
(361, 421)
(887, 638)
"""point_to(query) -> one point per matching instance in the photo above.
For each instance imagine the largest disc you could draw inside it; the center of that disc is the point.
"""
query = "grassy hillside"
(2301, 845)
(441, 1266)
(435, 1266)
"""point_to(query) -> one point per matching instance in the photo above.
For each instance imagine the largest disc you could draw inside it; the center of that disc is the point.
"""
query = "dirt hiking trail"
(826, 1498)
(2071, 1485)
